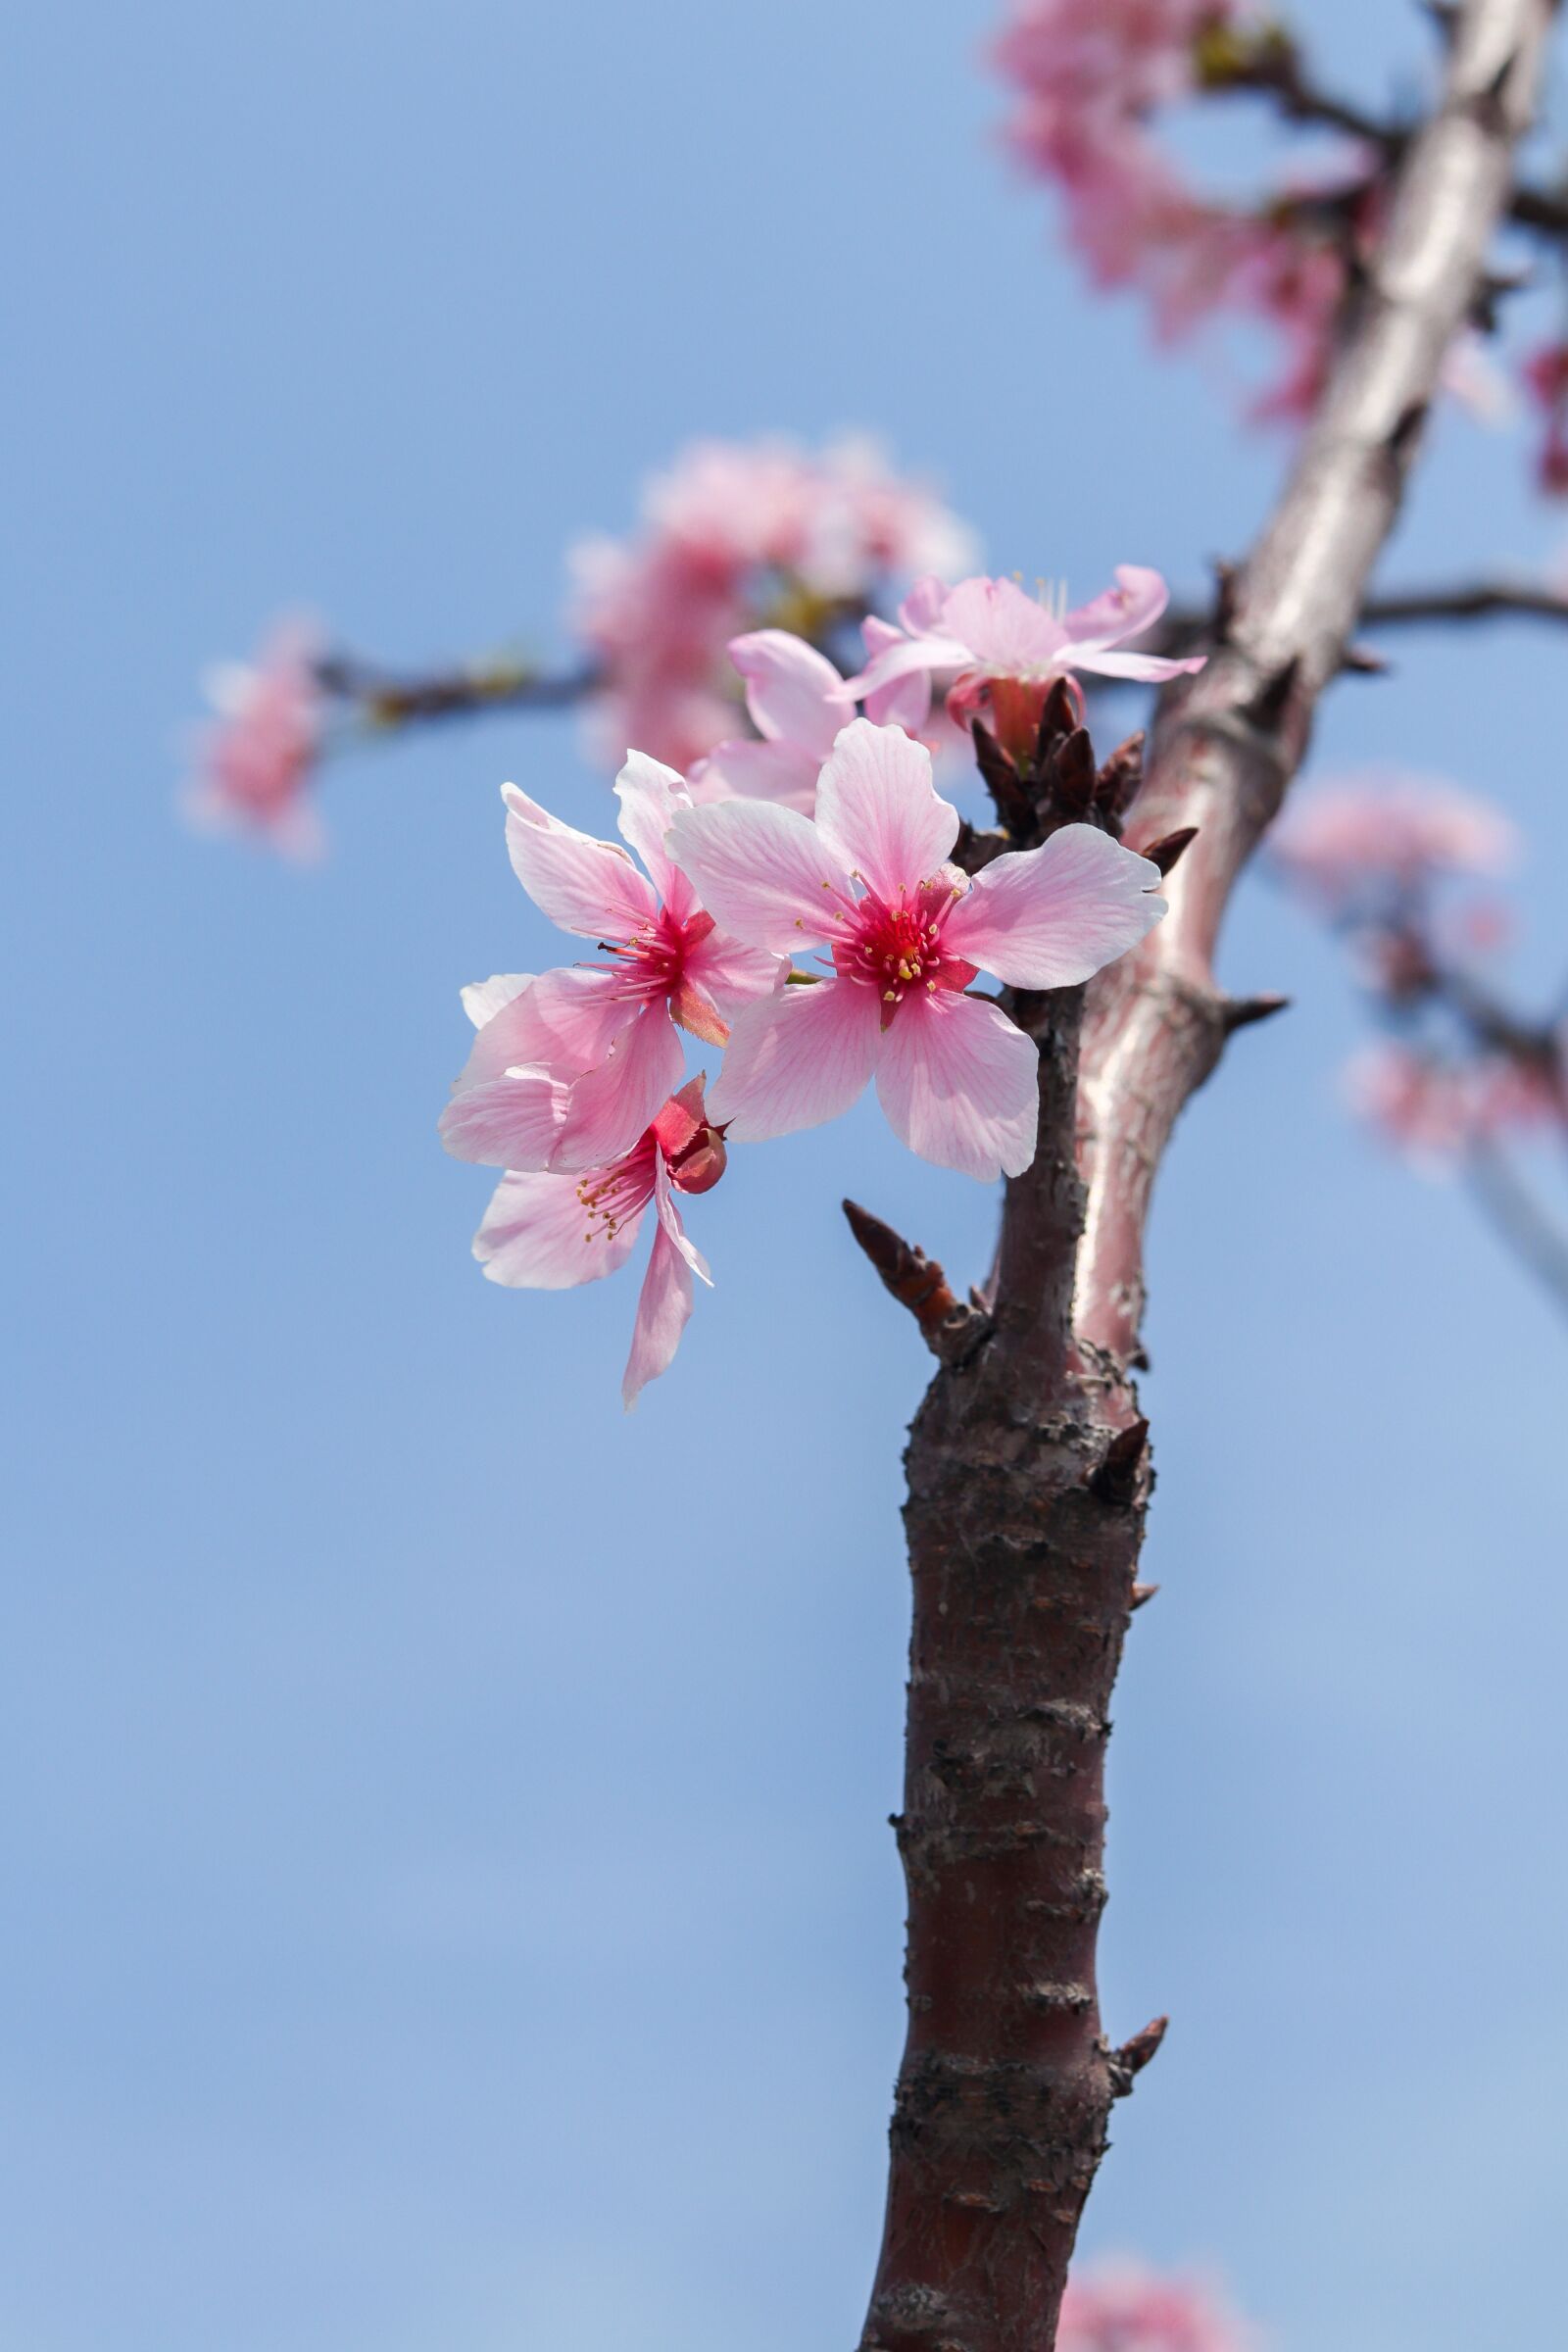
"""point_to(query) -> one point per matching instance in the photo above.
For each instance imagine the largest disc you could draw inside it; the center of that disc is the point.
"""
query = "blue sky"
(444, 1821)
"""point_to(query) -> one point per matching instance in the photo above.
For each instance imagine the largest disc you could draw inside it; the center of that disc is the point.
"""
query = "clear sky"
(448, 1896)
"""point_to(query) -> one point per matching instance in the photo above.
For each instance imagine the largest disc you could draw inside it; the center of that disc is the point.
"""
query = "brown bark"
(1028, 1464)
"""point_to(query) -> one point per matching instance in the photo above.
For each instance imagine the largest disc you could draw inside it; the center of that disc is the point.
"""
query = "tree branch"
(1029, 1472)
(386, 699)
(1518, 1218)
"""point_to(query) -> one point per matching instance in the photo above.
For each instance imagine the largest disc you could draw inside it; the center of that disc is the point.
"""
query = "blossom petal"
(536, 1236)
(669, 1219)
(664, 1309)
(733, 974)
(794, 693)
(1004, 629)
(743, 770)
(482, 1000)
(906, 702)
(566, 1021)
(877, 809)
(513, 1121)
(1134, 604)
(611, 1106)
(1149, 670)
(763, 873)
(1051, 917)
(908, 658)
(651, 796)
(959, 1084)
(584, 884)
(796, 1059)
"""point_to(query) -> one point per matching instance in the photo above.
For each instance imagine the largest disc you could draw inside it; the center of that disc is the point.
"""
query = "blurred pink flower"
(253, 763)
(954, 1076)
(1004, 649)
(733, 531)
(1075, 59)
(551, 1232)
(1121, 2306)
(1377, 829)
(568, 1069)
(1434, 1110)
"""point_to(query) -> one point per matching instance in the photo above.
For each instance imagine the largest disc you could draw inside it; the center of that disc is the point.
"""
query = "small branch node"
(1129, 2062)
(1116, 1479)
(1143, 1594)
(1240, 1013)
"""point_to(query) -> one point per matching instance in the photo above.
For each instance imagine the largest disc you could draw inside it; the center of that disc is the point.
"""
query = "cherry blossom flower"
(604, 1035)
(549, 1232)
(1378, 830)
(1434, 1110)
(1005, 649)
(797, 703)
(1121, 2306)
(734, 532)
(1101, 59)
(907, 932)
(255, 761)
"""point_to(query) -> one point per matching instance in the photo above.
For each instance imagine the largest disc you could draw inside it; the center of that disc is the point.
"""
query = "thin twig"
(1514, 1213)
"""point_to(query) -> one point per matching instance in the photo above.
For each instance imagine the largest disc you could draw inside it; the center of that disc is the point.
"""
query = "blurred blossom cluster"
(1088, 78)
(254, 758)
(1122, 2307)
(737, 536)
(1398, 865)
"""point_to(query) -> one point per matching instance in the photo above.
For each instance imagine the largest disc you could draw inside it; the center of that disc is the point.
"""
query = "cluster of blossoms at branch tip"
(1545, 374)
(735, 534)
(254, 760)
(1378, 854)
(1122, 2307)
(1088, 77)
(573, 1086)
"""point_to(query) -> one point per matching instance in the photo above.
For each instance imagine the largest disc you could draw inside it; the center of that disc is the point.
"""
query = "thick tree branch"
(1029, 1471)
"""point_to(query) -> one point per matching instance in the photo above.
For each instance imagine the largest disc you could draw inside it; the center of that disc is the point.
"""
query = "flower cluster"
(1378, 854)
(1545, 374)
(573, 1086)
(1088, 77)
(1121, 2306)
(732, 535)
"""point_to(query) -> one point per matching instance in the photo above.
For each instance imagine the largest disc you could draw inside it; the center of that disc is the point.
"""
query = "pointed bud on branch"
(1120, 776)
(1143, 1594)
(1129, 2062)
(951, 1329)
(1165, 852)
(1240, 1013)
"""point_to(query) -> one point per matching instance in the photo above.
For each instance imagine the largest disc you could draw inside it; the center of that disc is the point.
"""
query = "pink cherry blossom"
(907, 932)
(549, 1232)
(1070, 58)
(1002, 649)
(1380, 829)
(255, 761)
(1122, 2307)
(604, 1036)
(1434, 1110)
(733, 531)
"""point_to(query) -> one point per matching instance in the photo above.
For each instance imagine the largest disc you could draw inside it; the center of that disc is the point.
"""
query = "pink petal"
(611, 1105)
(584, 884)
(877, 809)
(1149, 670)
(794, 693)
(763, 873)
(921, 609)
(796, 1059)
(1005, 630)
(663, 1308)
(669, 1219)
(961, 1085)
(906, 658)
(566, 1021)
(537, 1237)
(510, 1122)
(732, 974)
(482, 1000)
(1051, 917)
(1134, 604)
(651, 797)
(742, 770)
